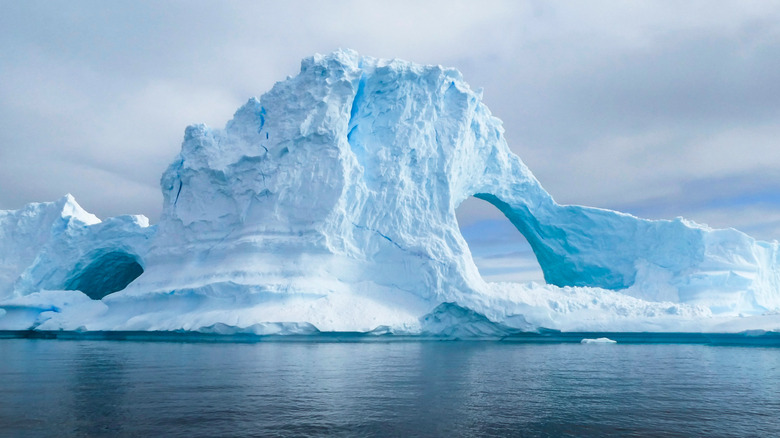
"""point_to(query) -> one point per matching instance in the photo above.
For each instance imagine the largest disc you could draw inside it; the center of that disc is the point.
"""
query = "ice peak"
(71, 209)
(339, 58)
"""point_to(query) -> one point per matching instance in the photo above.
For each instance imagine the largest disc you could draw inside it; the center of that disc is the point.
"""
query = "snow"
(328, 204)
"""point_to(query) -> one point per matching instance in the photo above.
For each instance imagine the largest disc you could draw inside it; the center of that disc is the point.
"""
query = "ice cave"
(105, 273)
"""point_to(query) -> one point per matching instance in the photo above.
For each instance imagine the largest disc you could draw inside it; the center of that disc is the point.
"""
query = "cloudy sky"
(660, 109)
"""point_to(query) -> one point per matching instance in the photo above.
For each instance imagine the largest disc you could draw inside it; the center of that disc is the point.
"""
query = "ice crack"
(363, 227)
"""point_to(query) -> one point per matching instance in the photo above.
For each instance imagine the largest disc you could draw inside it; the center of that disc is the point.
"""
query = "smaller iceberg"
(597, 341)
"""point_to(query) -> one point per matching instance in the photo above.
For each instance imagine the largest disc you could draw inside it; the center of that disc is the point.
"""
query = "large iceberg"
(328, 204)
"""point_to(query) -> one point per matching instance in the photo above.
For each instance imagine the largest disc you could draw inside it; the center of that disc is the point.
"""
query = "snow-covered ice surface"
(328, 204)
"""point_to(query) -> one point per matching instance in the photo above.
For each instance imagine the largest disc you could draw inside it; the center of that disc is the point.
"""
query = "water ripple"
(107, 388)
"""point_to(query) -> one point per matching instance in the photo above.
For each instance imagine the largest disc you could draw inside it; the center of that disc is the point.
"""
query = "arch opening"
(498, 248)
(106, 274)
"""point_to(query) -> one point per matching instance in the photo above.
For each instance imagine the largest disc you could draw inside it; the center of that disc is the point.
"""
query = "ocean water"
(191, 389)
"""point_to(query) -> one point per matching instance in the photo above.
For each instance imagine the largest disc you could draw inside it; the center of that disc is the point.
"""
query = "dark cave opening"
(106, 274)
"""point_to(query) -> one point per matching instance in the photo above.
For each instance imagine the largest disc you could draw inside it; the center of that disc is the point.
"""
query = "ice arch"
(105, 273)
(367, 160)
(585, 246)
(349, 174)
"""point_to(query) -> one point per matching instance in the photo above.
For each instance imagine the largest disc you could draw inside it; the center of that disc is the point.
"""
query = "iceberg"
(328, 205)
(601, 341)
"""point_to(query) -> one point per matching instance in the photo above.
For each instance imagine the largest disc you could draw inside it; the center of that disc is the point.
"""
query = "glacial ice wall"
(330, 202)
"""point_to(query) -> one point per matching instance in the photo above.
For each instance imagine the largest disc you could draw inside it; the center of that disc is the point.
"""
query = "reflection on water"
(94, 388)
(98, 390)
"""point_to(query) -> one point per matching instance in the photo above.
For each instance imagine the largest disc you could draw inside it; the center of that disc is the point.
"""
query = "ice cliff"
(329, 204)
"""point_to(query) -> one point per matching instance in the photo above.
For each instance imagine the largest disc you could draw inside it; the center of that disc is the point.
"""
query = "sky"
(656, 108)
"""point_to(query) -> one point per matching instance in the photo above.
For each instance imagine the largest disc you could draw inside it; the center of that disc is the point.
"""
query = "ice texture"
(328, 204)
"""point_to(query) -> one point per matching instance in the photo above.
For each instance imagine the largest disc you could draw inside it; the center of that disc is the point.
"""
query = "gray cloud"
(659, 108)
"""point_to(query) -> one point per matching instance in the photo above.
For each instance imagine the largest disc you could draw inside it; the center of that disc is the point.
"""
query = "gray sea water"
(190, 389)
